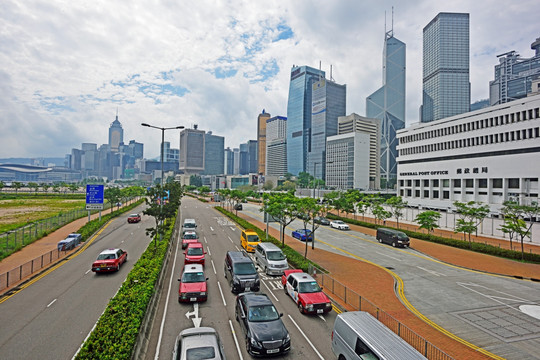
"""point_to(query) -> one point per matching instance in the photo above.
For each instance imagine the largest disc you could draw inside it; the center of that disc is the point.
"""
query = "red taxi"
(188, 237)
(194, 254)
(192, 284)
(109, 260)
(305, 292)
(134, 218)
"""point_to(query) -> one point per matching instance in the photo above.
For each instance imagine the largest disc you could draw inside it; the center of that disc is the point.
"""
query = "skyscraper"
(276, 146)
(388, 104)
(116, 134)
(214, 154)
(446, 86)
(299, 116)
(261, 140)
(327, 104)
(192, 151)
(253, 163)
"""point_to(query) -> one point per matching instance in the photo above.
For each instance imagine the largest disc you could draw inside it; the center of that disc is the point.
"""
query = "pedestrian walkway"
(377, 285)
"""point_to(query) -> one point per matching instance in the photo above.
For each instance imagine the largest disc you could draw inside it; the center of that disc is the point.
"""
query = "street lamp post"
(162, 151)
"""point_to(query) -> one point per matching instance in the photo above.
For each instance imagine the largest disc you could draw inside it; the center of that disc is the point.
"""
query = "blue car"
(302, 234)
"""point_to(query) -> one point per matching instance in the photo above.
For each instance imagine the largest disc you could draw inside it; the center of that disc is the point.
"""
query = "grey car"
(198, 343)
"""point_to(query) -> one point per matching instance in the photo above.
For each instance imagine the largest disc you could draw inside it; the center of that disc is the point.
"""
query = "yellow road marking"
(62, 262)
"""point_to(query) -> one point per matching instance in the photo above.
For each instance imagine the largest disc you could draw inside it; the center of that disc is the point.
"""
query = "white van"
(270, 258)
(358, 335)
(189, 224)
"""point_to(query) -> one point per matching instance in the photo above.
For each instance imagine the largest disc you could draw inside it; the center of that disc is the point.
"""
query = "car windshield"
(253, 238)
(308, 287)
(402, 237)
(106, 257)
(275, 255)
(134, 215)
(195, 251)
(201, 353)
(246, 268)
(189, 225)
(193, 277)
(190, 236)
(338, 222)
(261, 313)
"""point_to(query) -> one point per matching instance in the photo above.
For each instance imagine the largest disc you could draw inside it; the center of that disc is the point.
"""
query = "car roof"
(190, 232)
(256, 299)
(195, 244)
(109, 251)
(195, 268)
(302, 277)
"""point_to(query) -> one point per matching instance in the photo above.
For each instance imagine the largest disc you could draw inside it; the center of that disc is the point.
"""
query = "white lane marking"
(211, 228)
(212, 261)
(230, 239)
(52, 302)
(196, 319)
(271, 292)
(235, 340)
(237, 248)
(309, 342)
(205, 239)
(391, 257)
(166, 304)
(122, 242)
(431, 271)
(87, 271)
(233, 229)
(208, 249)
(221, 291)
(322, 317)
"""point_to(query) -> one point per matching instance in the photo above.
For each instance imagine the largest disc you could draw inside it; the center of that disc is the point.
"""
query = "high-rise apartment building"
(388, 105)
(261, 141)
(514, 76)
(192, 151)
(276, 146)
(299, 109)
(116, 134)
(328, 101)
(214, 154)
(446, 86)
(356, 123)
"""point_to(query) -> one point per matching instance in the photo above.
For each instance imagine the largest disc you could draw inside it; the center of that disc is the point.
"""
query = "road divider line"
(271, 292)
(87, 271)
(305, 337)
(52, 302)
(222, 296)
(236, 340)
(204, 237)
(212, 261)
(208, 248)
(230, 239)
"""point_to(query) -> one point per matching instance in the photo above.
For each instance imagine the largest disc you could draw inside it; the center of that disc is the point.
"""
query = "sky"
(67, 67)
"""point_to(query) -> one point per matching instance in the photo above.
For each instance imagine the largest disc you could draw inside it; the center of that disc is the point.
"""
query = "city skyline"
(65, 70)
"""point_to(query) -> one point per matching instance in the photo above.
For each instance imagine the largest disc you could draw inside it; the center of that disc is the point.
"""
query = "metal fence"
(15, 275)
(359, 303)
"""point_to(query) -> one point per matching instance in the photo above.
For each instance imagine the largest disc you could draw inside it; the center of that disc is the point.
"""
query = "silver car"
(198, 343)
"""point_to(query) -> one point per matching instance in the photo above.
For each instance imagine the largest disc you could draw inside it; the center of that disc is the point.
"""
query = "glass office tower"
(327, 104)
(388, 105)
(299, 116)
(446, 86)
(214, 154)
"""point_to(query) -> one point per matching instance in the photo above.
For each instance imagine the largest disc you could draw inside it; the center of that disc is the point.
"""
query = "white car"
(338, 224)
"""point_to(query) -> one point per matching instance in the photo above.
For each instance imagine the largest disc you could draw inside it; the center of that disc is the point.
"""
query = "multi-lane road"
(51, 318)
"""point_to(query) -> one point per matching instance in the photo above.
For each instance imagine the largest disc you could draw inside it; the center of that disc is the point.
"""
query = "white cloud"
(67, 66)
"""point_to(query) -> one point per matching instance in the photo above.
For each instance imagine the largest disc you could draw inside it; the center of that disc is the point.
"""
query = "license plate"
(192, 299)
(103, 265)
(272, 351)
(248, 288)
(319, 311)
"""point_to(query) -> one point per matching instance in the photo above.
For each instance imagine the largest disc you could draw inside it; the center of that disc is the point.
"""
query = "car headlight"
(203, 293)
(287, 338)
(309, 307)
(255, 343)
(328, 305)
(236, 280)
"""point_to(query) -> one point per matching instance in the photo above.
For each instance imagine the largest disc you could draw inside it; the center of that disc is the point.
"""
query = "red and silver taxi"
(134, 218)
(189, 236)
(194, 254)
(109, 260)
(305, 292)
(192, 284)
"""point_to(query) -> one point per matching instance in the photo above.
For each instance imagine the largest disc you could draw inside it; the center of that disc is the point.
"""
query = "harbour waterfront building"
(489, 155)
(328, 103)
(388, 105)
(446, 86)
(514, 76)
(299, 109)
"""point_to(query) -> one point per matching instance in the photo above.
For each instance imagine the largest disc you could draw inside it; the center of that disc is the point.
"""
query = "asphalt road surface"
(310, 334)
(51, 318)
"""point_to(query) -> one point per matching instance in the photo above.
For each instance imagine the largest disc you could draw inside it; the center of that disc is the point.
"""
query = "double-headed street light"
(162, 151)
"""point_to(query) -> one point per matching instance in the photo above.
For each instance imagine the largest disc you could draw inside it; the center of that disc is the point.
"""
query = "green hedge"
(293, 257)
(461, 244)
(115, 334)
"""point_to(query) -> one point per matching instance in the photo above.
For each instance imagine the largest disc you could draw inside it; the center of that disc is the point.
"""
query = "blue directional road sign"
(94, 197)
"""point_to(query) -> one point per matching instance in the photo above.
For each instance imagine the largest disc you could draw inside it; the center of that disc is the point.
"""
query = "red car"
(134, 218)
(109, 260)
(188, 237)
(192, 284)
(305, 292)
(194, 254)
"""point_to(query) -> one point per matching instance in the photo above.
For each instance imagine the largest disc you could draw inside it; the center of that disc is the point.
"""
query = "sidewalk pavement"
(377, 286)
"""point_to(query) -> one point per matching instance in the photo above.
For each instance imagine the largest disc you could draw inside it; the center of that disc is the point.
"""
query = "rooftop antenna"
(331, 77)
(320, 69)
(117, 113)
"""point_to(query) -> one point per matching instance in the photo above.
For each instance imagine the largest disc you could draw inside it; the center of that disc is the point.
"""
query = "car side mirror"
(179, 279)
(206, 279)
(205, 252)
(280, 314)
(228, 268)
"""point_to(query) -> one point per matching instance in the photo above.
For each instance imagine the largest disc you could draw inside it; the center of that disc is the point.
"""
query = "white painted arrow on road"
(196, 319)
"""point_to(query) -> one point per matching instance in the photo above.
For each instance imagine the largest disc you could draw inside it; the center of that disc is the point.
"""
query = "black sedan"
(263, 329)
(322, 220)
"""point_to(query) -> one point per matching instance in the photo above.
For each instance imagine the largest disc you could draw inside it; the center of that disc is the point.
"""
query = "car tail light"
(332, 337)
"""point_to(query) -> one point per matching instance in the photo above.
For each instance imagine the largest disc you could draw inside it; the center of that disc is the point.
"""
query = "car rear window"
(201, 353)
(106, 257)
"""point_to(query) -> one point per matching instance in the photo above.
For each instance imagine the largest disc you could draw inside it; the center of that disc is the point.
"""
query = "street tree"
(396, 205)
(113, 195)
(380, 213)
(45, 187)
(268, 185)
(283, 208)
(471, 214)
(33, 185)
(309, 209)
(304, 179)
(514, 216)
(428, 220)
(16, 185)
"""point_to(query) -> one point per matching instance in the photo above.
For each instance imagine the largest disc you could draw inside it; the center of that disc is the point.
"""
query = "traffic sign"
(94, 206)
(94, 194)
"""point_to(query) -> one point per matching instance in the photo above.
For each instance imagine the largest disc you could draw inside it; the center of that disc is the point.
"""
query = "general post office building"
(488, 155)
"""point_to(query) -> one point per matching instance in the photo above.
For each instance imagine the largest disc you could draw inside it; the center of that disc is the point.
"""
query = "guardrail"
(359, 303)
